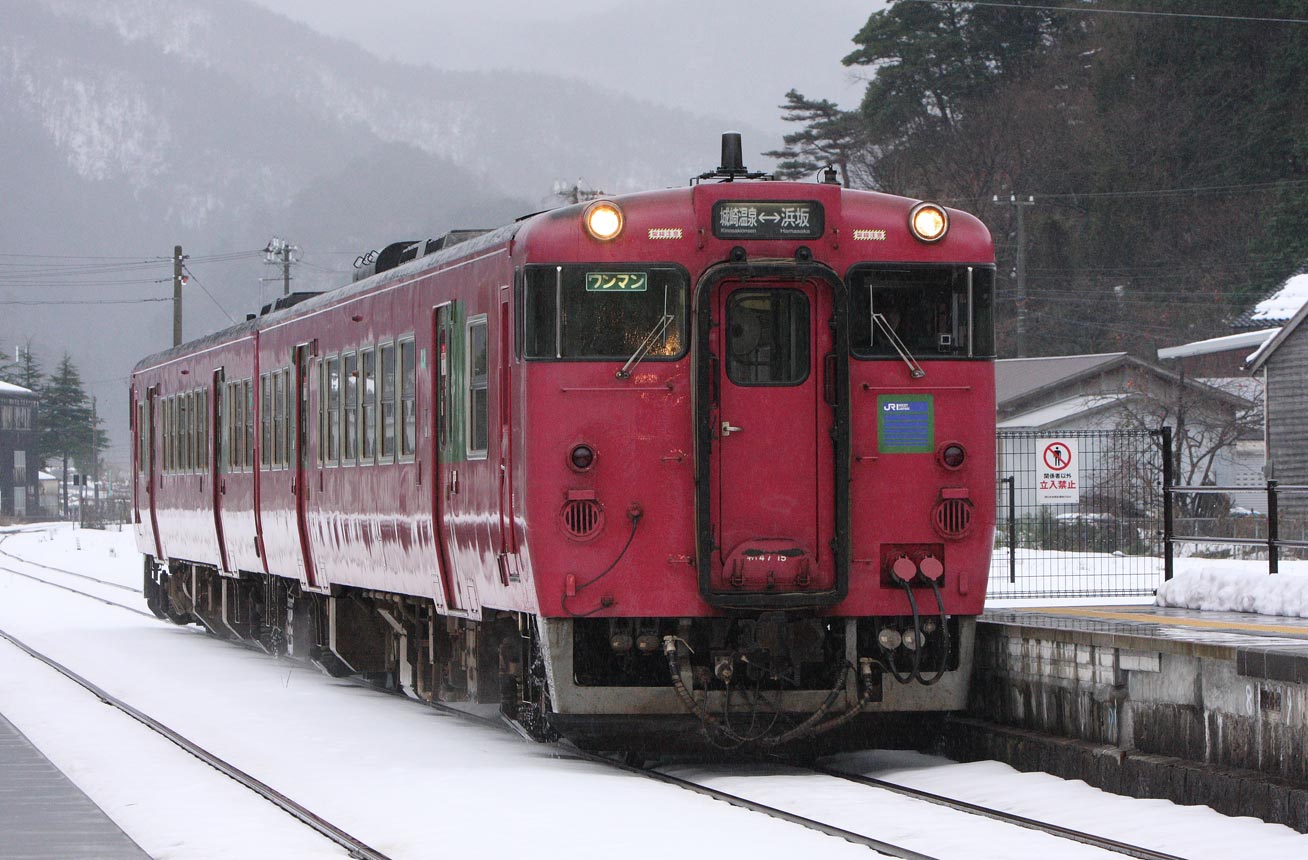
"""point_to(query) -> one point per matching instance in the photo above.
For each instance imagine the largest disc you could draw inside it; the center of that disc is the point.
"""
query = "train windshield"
(603, 311)
(937, 311)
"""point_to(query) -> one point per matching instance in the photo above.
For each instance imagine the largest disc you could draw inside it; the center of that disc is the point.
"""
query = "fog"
(736, 57)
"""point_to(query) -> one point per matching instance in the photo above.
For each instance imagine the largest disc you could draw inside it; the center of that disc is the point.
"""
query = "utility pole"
(95, 462)
(286, 251)
(178, 280)
(1018, 204)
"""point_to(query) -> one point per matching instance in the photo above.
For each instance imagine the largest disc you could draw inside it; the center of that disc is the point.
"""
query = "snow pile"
(1221, 587)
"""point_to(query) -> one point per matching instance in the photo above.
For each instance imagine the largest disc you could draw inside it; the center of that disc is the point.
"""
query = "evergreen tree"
(830, 136)
(8, 367)
(28, 369)
(65, 429)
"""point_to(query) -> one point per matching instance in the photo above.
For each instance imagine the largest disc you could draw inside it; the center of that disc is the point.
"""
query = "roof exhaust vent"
(733, 158)
(733, 161)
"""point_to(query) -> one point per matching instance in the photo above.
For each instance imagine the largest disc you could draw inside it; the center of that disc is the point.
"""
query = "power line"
(82, 302)
(192, 276)
(1138, 12)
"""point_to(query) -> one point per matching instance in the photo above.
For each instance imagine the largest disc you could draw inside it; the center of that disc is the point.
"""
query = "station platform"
(1187, 705)
(44, 816)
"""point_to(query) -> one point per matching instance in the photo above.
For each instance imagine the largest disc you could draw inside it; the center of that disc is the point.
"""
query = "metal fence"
(1107, 543)
(1199, 521)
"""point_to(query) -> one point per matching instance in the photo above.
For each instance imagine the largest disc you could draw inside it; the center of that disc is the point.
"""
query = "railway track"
(354, 846)
(567, 751)
(1102, 842)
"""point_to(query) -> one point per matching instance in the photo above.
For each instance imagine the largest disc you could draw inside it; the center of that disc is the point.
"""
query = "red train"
(718, 457)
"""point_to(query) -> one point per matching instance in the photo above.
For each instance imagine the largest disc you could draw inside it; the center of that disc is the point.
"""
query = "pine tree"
(830, 136)
(65, 429)
(28, 369)
(8, 367)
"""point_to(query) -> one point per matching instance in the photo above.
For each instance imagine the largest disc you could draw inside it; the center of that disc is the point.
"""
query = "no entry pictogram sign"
(1058, 474)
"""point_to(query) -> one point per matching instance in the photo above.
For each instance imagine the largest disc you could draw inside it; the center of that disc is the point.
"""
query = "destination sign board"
(768, 219)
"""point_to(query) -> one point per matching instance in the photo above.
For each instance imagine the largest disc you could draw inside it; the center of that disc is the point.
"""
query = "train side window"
(165, 434)
(333, 421)
(265, 420)
(387, 398)
(936, 311)
(350, 406)
(140, 438)
(408, 426)
(604, 312)
(288, 413)
(185, 425)
(478, 385)
(275, 409)
(247, 454)
(202, 425)
(368, 405)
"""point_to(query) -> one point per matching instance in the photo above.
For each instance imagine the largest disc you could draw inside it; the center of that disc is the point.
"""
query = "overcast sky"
(729, 58)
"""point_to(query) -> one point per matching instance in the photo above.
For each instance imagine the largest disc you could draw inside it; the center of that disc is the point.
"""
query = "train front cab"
(838, 492)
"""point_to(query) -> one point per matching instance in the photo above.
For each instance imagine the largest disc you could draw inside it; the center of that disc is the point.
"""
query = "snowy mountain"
(134, 125)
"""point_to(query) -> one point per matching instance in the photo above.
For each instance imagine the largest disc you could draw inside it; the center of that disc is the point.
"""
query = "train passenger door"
(218, 479)
(507, 551)
(447, 442)
(773, 440)
(152, 463)
(305, 472)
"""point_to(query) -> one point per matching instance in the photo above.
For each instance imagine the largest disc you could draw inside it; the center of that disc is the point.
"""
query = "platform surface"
(44, 816)
(1263, 646)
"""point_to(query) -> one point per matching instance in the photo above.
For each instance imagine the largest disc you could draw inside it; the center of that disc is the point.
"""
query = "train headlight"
(603, 220)
(889, 638)
(928, 222)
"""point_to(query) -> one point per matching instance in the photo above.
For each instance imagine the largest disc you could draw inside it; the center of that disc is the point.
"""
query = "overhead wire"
(1088, 10)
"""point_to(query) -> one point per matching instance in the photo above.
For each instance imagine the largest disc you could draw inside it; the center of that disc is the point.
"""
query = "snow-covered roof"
(1243, 340)
(10, 388)
(1281, 305)
(1056, 413)
(45, 476)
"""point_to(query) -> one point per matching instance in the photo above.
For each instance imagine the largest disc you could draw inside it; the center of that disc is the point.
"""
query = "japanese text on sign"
(1058, 472)
(616, 282)
(768, 219)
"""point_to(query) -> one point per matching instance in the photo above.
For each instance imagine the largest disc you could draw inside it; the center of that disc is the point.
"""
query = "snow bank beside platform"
(1233, 586)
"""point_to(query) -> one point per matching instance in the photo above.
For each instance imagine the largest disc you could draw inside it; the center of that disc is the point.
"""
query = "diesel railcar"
(718, 457)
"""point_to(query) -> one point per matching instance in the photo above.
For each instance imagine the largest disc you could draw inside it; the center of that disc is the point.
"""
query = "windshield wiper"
(645, 345)
(914, 369)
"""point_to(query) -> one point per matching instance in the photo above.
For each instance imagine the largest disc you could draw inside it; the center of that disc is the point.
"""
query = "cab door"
(772, 529)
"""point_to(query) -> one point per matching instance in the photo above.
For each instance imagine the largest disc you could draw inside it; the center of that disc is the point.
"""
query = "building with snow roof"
(19, 486)
(1282, 365)
(1217, 431)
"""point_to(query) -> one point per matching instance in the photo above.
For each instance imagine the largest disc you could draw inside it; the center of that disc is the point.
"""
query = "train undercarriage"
(760, 680)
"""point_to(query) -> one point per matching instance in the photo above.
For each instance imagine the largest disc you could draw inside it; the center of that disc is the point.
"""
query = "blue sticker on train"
(906, 423)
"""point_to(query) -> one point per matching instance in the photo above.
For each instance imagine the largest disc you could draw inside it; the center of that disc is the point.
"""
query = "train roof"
(316, 301)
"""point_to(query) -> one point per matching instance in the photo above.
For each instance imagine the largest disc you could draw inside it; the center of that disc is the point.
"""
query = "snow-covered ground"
(414, 783)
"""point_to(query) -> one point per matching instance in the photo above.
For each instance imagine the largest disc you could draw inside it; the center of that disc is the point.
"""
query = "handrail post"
(1273, 529)
(1011, 480)
(1169, 530)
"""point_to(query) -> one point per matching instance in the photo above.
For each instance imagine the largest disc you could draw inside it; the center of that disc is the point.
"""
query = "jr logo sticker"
(906, 423)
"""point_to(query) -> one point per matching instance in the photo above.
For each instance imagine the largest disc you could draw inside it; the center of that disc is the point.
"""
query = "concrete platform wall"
(1194, 722)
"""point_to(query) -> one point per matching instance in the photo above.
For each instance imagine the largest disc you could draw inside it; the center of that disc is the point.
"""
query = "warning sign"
(1058, 472)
